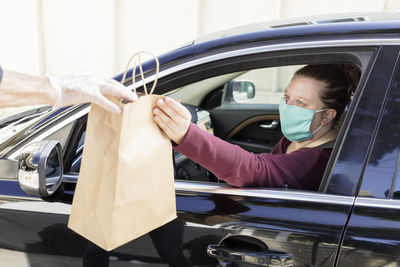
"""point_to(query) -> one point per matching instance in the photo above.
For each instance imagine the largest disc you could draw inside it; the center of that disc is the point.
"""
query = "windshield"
(12, 124)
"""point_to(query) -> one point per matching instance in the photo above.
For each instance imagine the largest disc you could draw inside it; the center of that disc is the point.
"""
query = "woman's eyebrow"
(303, 99)
(285, 93)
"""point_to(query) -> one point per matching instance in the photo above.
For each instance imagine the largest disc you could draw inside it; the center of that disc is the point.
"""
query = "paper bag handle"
(137, 55)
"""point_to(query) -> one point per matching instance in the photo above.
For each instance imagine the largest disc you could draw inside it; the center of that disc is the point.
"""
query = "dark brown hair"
(340, 82)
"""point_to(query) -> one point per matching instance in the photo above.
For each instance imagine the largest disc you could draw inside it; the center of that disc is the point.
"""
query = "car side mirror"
(40, 168)
(239, 91)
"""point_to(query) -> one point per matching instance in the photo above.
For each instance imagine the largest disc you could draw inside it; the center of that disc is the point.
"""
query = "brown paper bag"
(126, 182)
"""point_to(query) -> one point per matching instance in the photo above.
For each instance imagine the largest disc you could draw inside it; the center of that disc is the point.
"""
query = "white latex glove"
(87, 87)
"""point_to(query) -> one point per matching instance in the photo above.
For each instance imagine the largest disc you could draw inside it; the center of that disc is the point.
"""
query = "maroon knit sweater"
(302, 169)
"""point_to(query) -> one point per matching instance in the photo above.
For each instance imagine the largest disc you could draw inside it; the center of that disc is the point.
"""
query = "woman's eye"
(300, 103)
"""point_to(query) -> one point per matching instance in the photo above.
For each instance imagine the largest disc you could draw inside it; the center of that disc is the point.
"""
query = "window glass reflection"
(383, 163)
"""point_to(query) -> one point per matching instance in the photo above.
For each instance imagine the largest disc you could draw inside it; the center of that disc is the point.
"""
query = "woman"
(311, 106)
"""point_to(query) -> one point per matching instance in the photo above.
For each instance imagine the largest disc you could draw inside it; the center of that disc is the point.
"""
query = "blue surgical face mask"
(296, 121)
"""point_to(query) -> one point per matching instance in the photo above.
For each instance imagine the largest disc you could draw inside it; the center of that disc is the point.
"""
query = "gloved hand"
(87, 87)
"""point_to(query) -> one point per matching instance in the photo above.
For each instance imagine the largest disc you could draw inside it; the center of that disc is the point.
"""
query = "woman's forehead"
(305, 87)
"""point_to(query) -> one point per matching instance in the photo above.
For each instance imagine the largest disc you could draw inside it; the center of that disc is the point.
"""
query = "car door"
(29, 225)
(372, 235)
(266, 226)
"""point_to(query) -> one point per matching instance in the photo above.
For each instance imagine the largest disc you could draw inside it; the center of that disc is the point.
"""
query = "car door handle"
(270, 126)
(260, 258)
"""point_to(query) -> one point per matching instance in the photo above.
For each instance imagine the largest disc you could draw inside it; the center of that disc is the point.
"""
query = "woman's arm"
(301, 169)
(228, 162)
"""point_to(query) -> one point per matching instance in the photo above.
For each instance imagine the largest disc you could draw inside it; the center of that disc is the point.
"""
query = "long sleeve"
(300, 169)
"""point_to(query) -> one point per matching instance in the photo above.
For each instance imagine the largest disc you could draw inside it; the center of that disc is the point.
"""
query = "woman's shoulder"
(322, 151)
(281, 146)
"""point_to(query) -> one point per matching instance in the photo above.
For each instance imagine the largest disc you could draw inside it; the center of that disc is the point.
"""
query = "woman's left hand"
(173, 118)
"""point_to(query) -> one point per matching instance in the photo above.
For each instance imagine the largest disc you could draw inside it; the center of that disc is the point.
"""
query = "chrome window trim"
(185, 186)
(38, 205)
(6, 198)
(271, 48)
(52, 130)
(70, 178)
(377, 203)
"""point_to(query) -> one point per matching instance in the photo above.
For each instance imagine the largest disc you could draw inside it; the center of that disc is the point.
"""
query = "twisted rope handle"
(136, 56)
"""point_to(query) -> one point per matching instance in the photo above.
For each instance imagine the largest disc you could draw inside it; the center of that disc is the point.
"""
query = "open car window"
(206, 98)
(268, 82)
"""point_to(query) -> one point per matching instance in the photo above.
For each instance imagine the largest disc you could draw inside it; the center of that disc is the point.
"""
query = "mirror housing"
(40, 168)
(239, 91)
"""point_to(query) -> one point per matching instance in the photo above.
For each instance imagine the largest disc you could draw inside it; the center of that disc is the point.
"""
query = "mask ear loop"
(319, 127)
(320, 110)
(137, 62)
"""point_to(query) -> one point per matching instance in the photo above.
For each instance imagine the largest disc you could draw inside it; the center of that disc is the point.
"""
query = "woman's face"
(305, 92)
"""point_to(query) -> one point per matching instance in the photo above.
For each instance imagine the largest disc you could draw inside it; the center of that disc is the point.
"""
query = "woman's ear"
(329, 115)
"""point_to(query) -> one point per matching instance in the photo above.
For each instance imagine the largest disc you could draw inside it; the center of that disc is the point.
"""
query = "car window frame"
(48, 129)
(364, 64)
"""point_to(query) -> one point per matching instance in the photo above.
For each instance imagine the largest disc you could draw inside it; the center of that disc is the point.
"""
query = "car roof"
(345, 24)
(304, 21)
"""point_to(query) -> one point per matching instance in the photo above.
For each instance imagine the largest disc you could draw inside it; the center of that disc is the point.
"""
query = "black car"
(231, 82)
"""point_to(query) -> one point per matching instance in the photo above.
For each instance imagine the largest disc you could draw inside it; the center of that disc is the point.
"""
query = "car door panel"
(371, 237)
(284, 221)
(255, 128)
(305, 225)
(258, 134)
(34, 233)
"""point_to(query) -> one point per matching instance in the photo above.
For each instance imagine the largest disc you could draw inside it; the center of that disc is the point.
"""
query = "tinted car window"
(395, 134)
(76, 163)
(62, 135)
(380, 178)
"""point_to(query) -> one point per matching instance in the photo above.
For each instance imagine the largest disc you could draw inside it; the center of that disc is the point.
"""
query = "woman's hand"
(173, 118)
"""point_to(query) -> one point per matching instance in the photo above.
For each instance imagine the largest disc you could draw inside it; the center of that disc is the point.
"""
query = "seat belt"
(327, 145)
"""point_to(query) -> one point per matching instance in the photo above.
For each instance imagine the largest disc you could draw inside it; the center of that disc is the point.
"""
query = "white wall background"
(67, 36)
